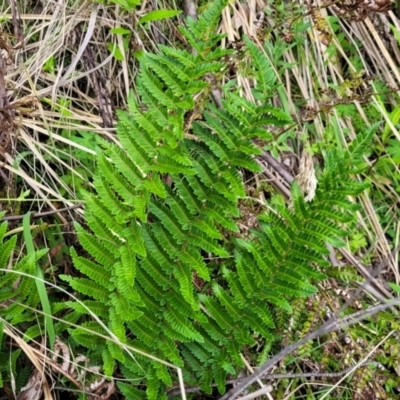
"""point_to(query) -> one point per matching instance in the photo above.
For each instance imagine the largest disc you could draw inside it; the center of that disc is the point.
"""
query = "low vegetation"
(194, 191)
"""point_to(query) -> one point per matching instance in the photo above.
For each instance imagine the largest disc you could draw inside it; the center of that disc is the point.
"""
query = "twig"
(276, 182)
(16, 20)
(41, 214)
(289, 375)
(277, 167)
(189, 8)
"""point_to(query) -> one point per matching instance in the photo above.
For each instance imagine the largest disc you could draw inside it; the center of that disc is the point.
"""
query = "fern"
(165, 222)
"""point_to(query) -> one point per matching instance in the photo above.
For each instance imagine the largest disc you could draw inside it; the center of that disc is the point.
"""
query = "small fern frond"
(198, 238)
(3, 227)
(126, 167)
(184, 276)
(265, 74)
(109, 240)
(362, 142)
(6, 249)
(134, 236)
(111, 200)
(87, 287)
(124, 307)
(151, 266)
(168, 220)
(95, 247)
(108, 362)
(181, 325)
(227, 302)
(170, 351)
(96, 272)
(191, 256)
(125, 273)
(156, 89)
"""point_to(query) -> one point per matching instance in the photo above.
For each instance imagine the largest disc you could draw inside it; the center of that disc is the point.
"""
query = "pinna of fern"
(169, 260)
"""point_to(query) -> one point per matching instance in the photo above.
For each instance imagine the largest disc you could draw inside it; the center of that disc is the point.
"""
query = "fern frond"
(108, 362)
(7, 293)
(117, 326)
(171, 80)
(245, 277)
(158, 252)
(168, 220)
(207, 195)
(5, 251)
(212, 123)
(227, 302)
(117, 181)
(191, 256)
(209, 179)
(263, 313)
(134, 236)
(197, 238)
(207, 226)
(265, 73)
(155, 186)
(217, 312)
(150, 286)
(109, 240)
(116, 351)
(96, 272)
(87, 287)
(170, 351)
(362, 142)
(153, 385)
(156, 89)
(181, 325)
(136, 153)
(150, 265)
(83, 337)
(184, 276)
(95, 247)
(101, 211)
(126, 309)
(166, 241)
(3, 227)
(125, 273)
(221, 216)
(179, 209)
(167, 165)
(140, 122)
(130, 392)
(187, 195)
(206, 381)
(126, 167)
(219, 375)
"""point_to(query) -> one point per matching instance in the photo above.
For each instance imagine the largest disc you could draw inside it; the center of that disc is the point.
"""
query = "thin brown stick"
(190, 8)
(278, 167)
(289, 375)
(41, 214)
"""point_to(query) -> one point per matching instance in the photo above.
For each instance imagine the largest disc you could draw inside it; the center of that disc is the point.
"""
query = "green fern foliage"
(172, 272)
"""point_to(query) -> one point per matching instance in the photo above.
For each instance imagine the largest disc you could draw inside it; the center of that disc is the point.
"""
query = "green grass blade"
(39, 282)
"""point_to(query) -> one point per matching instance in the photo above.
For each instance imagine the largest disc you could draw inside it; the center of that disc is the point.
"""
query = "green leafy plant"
(176, 270)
